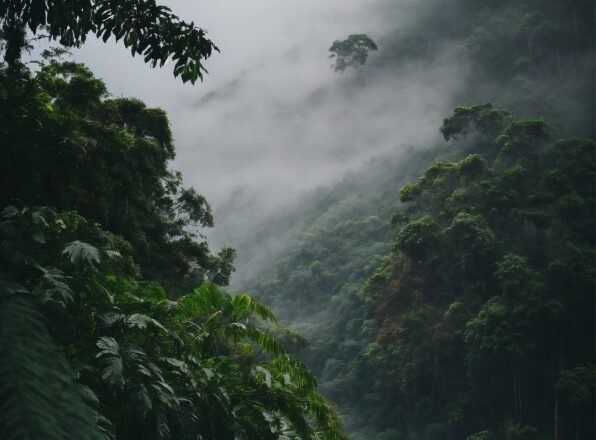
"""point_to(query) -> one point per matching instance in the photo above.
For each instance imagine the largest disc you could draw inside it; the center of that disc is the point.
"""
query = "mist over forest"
(309, 220)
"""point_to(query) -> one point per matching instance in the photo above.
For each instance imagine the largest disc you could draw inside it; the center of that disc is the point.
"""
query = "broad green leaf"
(79, 251)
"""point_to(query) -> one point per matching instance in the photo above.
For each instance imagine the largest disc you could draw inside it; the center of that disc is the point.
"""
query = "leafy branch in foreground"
(204, 366)
(38, 396)
(145, 27)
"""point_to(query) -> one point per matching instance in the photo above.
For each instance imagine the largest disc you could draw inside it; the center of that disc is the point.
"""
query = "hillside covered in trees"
(487, 285)
(431, 282)
(441, 291)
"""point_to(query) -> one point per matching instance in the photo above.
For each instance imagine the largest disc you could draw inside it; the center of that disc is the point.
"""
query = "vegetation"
(112, 321)
(89, 350)
(464, 309)
(487, 300)
(72, 147)
(378, 321)
(351, 52)
(146, 28)
(534, 57)
(473, 322)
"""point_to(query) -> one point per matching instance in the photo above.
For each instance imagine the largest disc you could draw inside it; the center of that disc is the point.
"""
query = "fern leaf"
(9, 212)
(113, 373)
(57, 280)
(268, 343)
(79, 251)
(265, 372)
(204, 300)
(38, 397)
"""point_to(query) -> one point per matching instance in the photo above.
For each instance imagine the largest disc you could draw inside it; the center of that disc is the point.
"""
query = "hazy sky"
(272, 119)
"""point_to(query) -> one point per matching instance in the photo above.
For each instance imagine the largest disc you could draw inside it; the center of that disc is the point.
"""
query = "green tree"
(468, 304)
(69, 145)
(351, 52)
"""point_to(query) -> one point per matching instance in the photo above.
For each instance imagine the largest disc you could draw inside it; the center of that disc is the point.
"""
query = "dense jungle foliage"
(480, 316)
(486, 304)
(72, 147)
(113, 323)
(472, 315)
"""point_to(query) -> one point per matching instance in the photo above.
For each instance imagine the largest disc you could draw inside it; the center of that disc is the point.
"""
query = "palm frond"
(267, 342)
(204, 300)
(242, 303)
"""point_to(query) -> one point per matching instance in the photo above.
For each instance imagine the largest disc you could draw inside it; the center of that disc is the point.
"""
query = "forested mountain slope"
(486, 302)
(473, 315)
(488, 283)
(341, 238)
(534, 57)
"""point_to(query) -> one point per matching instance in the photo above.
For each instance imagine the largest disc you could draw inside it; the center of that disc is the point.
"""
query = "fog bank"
(272, 119)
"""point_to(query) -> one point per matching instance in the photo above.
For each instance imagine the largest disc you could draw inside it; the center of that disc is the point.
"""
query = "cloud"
(272, 119)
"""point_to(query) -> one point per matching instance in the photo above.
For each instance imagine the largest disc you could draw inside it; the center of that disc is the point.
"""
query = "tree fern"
(79, 251)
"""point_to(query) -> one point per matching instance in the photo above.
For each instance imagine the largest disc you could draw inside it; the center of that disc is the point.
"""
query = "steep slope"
(485, 304)
(535, 58)
(342, 235)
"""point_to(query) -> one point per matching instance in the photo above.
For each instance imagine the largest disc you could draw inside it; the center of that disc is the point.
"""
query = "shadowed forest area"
(435, 290)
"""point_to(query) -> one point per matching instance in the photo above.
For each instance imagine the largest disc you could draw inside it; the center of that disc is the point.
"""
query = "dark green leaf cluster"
(351, 52)
(40, 399)
(68, 145)
(88, 350)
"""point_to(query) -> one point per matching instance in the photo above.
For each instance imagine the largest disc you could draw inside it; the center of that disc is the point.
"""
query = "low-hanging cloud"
(272, 119)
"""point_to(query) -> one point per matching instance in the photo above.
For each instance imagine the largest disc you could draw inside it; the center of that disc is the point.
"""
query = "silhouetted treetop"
(352, 51)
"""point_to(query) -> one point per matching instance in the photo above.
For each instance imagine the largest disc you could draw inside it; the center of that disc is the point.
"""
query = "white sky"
(272, 118)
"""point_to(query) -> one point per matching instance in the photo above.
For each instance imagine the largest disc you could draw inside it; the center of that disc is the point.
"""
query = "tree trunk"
(556, 415)
(519, 394)
(515, 408)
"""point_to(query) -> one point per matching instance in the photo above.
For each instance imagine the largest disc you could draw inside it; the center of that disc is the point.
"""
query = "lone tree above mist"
(146, 28)
(352, 51)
